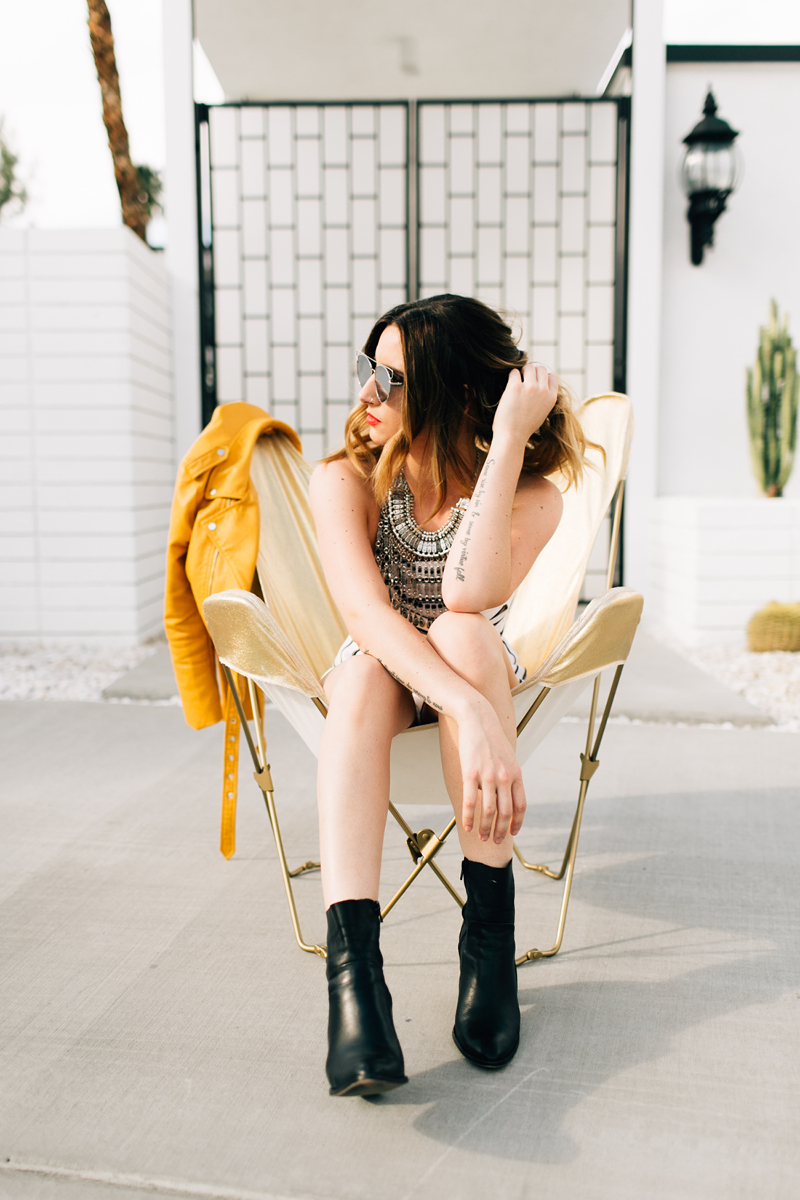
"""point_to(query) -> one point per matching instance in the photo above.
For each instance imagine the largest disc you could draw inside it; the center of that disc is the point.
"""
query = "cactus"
(772, 391)
(776, 627)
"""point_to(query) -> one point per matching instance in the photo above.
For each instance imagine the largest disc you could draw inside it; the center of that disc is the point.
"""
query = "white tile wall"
(86, 435)
(518, 207)
(309, 248)
(716, 560)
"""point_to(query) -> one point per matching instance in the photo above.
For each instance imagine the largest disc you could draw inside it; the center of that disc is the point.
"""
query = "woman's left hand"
(524, 405)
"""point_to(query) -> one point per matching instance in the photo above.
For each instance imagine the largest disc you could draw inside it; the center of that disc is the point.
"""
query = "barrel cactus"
(772, 391)
(775, 627)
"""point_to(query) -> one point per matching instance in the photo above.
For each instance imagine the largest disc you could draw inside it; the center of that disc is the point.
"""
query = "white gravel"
(65, 672)
(770, 682)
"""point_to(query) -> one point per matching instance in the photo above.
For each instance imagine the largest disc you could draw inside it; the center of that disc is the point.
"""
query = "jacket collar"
(225, 447)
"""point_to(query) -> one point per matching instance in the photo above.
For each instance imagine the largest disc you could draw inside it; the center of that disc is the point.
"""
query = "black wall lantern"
(710, 173)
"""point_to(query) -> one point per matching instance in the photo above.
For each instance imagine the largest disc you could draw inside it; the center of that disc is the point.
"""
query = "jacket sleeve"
(192, 650)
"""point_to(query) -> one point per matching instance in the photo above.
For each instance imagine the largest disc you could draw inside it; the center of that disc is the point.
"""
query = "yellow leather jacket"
(213, 545)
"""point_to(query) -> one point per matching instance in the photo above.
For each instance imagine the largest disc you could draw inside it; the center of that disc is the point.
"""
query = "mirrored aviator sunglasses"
(366, 367)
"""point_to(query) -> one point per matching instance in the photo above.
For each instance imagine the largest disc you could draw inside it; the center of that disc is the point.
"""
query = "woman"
(428, 520)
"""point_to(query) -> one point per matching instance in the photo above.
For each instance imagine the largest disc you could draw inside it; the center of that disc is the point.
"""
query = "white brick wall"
(86, 435)
(715, 561)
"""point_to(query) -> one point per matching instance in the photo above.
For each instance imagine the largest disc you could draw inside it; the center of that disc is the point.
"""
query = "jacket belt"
(230, 776)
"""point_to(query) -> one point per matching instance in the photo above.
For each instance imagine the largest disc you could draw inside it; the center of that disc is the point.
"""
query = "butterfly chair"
(283, 643)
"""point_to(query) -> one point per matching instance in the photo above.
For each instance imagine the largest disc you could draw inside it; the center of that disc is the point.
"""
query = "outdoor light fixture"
(710, 173)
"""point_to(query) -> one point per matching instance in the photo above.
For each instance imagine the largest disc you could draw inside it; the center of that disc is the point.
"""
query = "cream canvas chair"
(283, 643)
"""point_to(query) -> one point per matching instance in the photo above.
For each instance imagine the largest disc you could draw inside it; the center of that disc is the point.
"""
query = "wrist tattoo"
(474, 514)
(427, 699)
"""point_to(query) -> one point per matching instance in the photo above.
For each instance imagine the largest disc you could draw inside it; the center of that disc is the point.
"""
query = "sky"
(50, 102)
(50, 98)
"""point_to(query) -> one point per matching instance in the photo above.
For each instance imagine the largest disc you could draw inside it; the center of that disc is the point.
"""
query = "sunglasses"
(385, 378)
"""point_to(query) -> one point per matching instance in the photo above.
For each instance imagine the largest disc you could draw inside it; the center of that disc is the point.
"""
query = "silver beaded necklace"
(411, 560)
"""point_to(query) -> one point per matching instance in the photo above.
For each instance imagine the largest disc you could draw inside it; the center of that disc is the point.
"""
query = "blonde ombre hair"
(457, 353)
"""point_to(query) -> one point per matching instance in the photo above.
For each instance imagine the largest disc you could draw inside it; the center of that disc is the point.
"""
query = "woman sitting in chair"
(428, 520)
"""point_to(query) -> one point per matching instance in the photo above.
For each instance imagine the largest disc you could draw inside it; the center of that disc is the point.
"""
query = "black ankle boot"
(364, 1055)
(486, 1030)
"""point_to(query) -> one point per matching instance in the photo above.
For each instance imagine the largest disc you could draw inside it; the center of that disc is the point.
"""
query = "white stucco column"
(645, 250)
(180, 205)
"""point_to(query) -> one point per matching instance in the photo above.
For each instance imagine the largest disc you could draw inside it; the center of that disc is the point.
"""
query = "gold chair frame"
(565, 665)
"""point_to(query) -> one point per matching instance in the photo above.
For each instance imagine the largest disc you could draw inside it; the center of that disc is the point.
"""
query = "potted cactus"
(772, 392)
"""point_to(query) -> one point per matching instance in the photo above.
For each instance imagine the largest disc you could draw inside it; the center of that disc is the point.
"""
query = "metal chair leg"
(423, 846)
(589, 764)
(263, 778)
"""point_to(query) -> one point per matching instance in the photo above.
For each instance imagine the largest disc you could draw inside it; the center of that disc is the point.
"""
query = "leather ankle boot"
(364, 1055)
(486, 1029)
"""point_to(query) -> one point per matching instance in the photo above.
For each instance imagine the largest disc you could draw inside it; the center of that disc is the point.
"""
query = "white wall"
(711, 313)
(716, 561)
(180, 197)
(644, 281)
(86, 435)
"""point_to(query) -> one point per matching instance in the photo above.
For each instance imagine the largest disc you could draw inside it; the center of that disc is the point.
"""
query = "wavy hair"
(457, 353)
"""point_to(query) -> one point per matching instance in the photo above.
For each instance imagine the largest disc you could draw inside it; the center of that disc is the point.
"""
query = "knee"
(362, 684)
(467, 640)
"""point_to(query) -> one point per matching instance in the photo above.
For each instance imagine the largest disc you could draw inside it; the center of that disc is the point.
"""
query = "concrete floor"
(160, 1032)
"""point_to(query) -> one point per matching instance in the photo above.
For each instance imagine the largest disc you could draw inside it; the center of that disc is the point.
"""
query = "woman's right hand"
(494, 792)
(527, 401)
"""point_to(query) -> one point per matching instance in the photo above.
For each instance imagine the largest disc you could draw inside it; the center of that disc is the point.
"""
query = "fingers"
(488, 811)
(538, 374)
(469, 800)
(500, 803)
(493, 794)
(505, 808)
(520, 805)
(501, 811)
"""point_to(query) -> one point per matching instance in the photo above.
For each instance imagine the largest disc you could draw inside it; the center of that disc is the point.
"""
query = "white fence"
(87, 442)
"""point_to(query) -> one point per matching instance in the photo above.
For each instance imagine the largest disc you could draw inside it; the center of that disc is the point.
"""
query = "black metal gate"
(316, 218)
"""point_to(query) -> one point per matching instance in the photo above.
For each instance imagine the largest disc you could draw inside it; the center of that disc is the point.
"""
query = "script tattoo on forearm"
(427, 699)
(473, 516)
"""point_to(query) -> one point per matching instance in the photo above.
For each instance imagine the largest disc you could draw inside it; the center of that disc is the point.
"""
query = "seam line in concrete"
(481, 1117)
(209, 1191)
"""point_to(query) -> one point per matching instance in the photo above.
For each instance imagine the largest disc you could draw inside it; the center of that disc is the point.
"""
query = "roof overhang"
(376, 50)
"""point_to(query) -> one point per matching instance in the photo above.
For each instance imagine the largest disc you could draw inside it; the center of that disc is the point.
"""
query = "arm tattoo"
(427, 699)
(474, 514)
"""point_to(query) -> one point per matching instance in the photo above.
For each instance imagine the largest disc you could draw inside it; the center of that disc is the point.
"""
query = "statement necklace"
(411, 560)
(426, 544)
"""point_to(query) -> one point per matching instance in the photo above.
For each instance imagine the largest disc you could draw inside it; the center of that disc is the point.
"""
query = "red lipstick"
(372, 420)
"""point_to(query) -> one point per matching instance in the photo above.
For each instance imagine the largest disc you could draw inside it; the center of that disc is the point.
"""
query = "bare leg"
(367, 708)
(472, 647)
(487, 1021)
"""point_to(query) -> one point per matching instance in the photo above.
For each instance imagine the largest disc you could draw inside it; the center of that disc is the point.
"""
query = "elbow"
(459, 598)
(453, 596)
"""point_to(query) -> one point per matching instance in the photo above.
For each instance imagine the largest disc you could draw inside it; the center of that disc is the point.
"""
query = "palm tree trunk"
(133, 213)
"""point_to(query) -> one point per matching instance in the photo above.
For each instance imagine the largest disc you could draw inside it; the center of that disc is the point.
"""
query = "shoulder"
(338, 482)
(329, 477)
(538, 496)
(538, 489)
